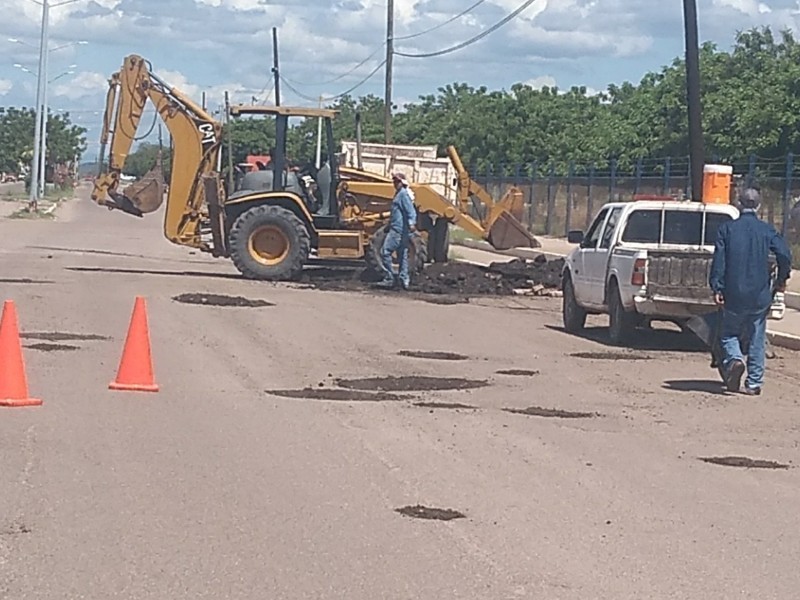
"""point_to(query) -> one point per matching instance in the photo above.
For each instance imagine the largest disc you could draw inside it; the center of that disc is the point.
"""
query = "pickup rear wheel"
(269, 242)
(621, 323)
(573, 315)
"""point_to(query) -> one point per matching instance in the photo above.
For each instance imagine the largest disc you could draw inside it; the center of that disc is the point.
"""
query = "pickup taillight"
(639, 266)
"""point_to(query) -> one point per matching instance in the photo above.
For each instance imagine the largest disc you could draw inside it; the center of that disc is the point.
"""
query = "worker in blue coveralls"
(740, 280)
(402, 224)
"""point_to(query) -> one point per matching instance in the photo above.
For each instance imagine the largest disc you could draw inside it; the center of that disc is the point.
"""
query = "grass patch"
(24, 213)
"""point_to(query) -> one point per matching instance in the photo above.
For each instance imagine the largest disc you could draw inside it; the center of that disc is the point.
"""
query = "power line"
(343, 75)
(379, 48)
(471, 41)
(440, 25)
(332, 98)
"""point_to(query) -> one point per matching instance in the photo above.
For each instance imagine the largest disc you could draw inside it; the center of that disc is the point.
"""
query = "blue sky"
(218, 45)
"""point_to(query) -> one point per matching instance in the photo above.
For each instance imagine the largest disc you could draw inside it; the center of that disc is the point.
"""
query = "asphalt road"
(213, 488)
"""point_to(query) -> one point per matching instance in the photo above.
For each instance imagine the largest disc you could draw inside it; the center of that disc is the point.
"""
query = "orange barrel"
(717, 184)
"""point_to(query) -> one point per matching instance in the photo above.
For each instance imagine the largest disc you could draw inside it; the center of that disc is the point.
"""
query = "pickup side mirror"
(575, 237)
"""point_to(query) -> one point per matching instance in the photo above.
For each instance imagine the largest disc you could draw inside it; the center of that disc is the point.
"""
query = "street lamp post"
(37, 136)
(41, 109)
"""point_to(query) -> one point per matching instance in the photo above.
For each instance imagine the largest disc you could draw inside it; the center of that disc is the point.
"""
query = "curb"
(784, 340)
(530, 253)
(792, 300)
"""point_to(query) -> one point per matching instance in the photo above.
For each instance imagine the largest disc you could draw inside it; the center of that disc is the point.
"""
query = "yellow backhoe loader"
(273, 220)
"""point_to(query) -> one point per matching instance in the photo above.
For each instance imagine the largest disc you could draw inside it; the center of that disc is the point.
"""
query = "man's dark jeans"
(751, 327)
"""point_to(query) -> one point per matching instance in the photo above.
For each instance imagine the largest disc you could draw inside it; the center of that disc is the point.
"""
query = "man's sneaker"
(733, 378)
(751, 391)
(385, 283)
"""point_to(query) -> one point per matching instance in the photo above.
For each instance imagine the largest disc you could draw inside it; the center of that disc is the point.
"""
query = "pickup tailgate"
(679, 275)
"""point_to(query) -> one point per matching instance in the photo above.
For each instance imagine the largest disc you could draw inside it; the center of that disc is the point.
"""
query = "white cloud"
(84, 84)
(538, 83)
(5, 86)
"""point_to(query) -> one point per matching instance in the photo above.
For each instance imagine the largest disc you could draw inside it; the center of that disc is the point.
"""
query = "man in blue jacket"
(402, 223)
(740, 279)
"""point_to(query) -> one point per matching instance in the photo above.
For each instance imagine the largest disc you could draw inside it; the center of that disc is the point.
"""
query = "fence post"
(638, 183)
(517, 171)
(787, 193)
(532, 205)
(751, 170)
(612, 183)
(570, 175)
(551, 202)
(687, 189)
(589, 199)
(667, 169)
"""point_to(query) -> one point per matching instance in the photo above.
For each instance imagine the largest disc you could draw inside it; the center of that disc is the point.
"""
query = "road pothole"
(552, 413)
(46, 347)
(518, 372)
(24, 280)
(57, 336)
(434, 355)
(610, 356)
(445, 405)
(337, 395)
(15, 528)
(743, 462)
(434, 514)
(410, 383)
(221, 300)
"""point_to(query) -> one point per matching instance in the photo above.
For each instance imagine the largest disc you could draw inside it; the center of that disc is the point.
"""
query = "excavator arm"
(196, 137)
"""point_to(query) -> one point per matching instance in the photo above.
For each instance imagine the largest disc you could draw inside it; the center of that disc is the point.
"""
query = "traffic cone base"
(13, 381)
(132, 387)
(20, 403)
(135, 372)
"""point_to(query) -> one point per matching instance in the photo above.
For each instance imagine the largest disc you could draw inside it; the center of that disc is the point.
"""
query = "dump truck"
(270, 222)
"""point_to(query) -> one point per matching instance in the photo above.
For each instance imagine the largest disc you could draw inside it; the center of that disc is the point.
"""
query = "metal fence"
(559, 198)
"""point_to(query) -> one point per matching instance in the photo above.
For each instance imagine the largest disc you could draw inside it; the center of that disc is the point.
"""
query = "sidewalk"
(784, 333)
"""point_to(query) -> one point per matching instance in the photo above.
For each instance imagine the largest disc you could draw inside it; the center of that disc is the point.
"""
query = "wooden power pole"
(696, 146)
(275, 66)
(387, 118)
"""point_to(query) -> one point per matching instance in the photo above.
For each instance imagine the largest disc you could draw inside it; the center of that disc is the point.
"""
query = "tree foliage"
(65, 141)
(145, 158)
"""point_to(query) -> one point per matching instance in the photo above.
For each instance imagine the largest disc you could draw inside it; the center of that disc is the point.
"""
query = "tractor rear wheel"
(417, 255)
(439, 241)
(269, 242)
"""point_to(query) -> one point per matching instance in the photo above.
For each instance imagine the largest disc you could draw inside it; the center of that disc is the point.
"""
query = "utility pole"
(387, 118)
(45, 111)
(318, 162)
(229, 135)
(202, 101)
(37, 136)
(275, 66)
(696, 146)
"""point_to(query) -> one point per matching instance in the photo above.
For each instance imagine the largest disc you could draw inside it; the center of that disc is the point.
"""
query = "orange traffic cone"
(136, 367)
(13, 382)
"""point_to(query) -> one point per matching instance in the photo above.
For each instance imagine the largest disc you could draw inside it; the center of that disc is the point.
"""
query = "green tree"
(145, 158)
(65, 141)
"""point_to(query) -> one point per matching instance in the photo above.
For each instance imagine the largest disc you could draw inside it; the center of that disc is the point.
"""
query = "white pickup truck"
(642, 261)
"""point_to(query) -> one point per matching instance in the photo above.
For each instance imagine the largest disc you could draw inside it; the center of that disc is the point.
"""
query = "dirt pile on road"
(500, 278)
